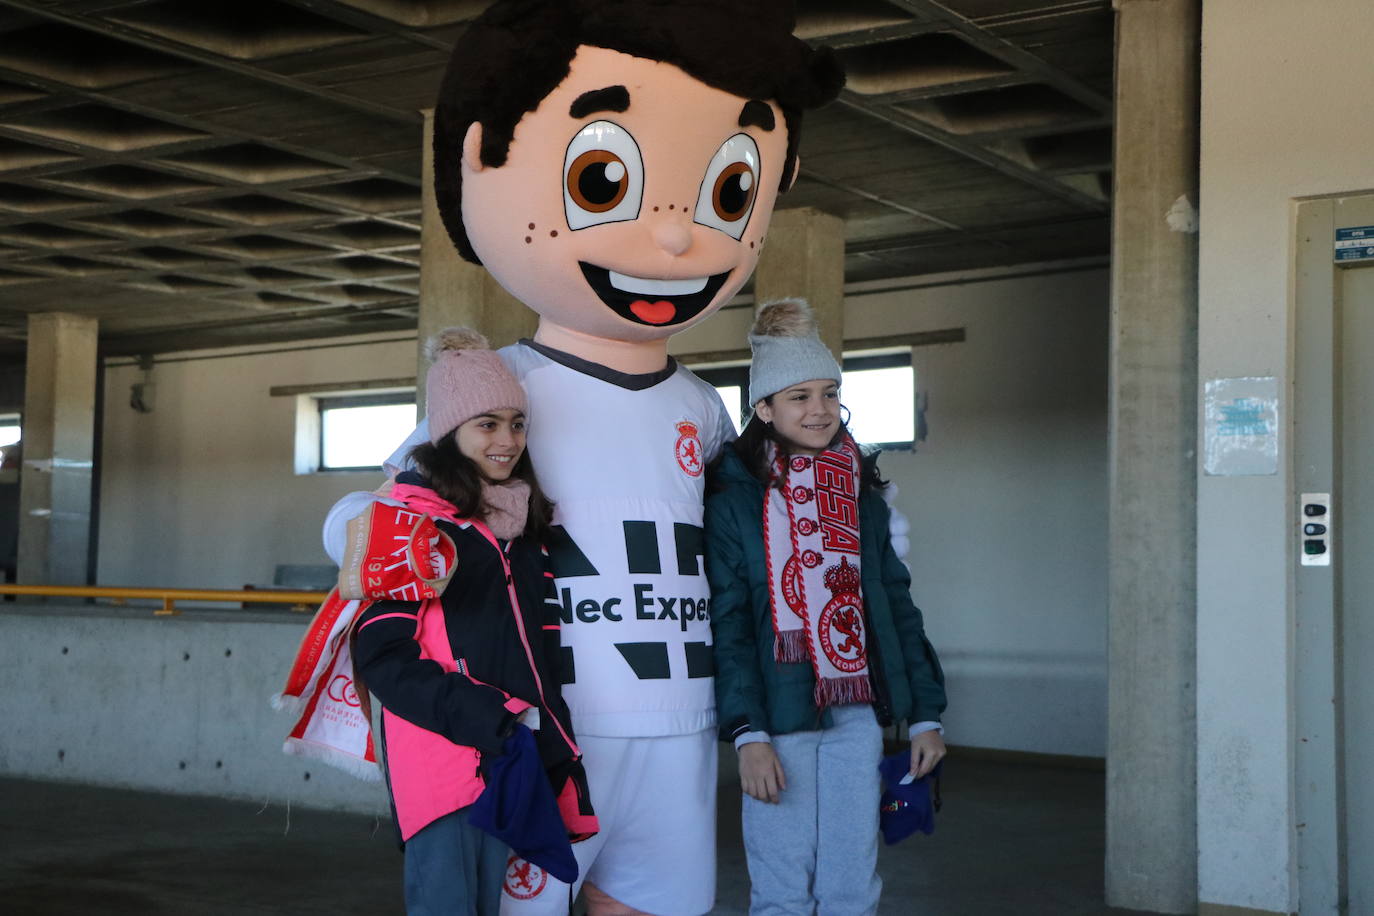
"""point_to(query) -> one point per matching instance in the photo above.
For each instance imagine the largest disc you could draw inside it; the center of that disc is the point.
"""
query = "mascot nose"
(673, 237)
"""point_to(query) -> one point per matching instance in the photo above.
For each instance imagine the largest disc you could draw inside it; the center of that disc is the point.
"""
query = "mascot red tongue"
(660, 312)
(614, 165)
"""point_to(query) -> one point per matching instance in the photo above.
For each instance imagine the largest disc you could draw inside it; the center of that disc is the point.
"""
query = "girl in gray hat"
(817, 642)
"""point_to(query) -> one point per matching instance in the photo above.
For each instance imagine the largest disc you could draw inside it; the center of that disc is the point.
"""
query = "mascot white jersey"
(625, 460)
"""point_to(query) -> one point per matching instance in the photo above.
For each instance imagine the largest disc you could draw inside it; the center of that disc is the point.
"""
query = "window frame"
(316, 405)
(890, 359)
(737, 373)
(720, 374)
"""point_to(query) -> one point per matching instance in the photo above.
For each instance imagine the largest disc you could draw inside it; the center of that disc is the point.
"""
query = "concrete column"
(1152, 636)
(59, 440)
(804, 258)
(454, 291)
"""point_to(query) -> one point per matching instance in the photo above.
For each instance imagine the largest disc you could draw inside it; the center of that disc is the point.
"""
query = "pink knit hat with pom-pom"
(466, 379)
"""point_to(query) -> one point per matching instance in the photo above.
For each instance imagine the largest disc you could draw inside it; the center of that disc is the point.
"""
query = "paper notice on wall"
(1241, 425)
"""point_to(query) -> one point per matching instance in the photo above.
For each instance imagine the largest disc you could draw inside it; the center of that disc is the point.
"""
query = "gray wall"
(1007, 500)
(172, 704)
(202, 492)
(1276, 125)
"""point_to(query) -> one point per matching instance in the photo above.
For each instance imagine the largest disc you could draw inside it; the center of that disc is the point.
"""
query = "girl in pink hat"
(471, 677)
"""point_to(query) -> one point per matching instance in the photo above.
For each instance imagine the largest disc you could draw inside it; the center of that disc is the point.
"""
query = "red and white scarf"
(811, 532)
(394, 552)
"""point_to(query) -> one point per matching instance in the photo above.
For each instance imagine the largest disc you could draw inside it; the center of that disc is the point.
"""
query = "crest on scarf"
(524, 880)
(433, 555)
(688, 449)
(842, 621)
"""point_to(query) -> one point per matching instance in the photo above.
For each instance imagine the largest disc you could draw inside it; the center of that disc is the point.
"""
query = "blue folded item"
(518, 807)
(905, 809)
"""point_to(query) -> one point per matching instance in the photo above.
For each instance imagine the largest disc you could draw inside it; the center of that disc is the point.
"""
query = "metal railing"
(301, 602)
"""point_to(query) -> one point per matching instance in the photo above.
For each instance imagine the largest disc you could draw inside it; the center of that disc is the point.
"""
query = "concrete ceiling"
(221, 172)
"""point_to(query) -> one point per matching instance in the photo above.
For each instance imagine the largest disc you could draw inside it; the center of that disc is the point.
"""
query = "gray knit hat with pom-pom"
(787, 350)
(467, 379)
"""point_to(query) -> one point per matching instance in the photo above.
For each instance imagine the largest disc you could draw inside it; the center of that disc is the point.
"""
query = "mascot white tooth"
(615, 165)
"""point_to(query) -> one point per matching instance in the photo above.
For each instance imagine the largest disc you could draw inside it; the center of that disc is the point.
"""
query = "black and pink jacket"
(454, 672)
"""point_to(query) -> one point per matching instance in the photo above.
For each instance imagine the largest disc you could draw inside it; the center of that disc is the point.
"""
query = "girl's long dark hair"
(752, 446)
(455, 477)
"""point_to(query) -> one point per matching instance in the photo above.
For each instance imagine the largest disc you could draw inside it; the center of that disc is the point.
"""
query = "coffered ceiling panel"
(236, 171)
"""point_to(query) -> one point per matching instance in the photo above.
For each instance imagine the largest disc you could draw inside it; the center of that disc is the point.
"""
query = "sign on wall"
(1355, 243)
(1241, 427)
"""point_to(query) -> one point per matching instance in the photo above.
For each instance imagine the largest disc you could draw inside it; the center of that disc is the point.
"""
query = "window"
(732, 384)
(878, 389)
(880, 392)
(354, 432)
(9, 429)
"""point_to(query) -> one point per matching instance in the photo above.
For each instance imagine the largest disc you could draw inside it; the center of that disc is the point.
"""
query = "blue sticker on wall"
(1355, 243)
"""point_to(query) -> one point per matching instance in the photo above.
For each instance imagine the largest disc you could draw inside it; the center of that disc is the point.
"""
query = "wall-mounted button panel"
(1315, 528)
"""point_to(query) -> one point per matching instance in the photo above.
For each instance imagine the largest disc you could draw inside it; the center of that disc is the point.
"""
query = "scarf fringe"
(287, 703)
(841, 691)
(790, 646)
(366, 770)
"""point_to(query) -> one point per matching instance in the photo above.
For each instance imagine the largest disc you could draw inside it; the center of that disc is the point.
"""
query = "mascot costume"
(614, 164)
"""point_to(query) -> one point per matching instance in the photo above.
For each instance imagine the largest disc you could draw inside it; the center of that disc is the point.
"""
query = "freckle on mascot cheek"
(614, 165)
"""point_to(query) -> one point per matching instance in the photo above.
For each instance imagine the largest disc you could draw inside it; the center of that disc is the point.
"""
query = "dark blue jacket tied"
(518, 807)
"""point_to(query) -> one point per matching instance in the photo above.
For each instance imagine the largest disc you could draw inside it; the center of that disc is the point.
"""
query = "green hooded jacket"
(754, 692)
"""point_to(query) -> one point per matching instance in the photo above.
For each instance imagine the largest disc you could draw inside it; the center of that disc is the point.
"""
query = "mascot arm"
(897, 525)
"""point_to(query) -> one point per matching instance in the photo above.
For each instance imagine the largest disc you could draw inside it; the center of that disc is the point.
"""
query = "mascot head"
(614, 163)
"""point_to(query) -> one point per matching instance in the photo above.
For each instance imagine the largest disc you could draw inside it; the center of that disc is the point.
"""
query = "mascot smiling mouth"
(652, 302)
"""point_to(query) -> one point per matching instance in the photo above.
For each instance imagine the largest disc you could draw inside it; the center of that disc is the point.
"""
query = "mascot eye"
(730, 186)
(603, 176)
(597, 181)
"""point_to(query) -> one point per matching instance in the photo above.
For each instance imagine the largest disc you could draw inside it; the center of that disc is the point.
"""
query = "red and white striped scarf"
(811, 534)
(394, 552)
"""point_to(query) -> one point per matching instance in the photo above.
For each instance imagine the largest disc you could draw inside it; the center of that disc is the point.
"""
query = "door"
(1333, 637)
(1355, 575)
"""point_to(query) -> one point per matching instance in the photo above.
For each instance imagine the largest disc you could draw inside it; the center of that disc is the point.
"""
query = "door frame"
(1315, 660)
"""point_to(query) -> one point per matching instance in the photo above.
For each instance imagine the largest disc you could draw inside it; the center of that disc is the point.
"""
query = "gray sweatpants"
(817, 849)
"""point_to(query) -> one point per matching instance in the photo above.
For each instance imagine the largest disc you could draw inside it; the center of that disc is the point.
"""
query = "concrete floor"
(1012, 839)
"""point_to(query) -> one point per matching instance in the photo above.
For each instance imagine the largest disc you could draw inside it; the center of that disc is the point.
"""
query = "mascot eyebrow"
(617, 98)
(756, 113)
(612, 98)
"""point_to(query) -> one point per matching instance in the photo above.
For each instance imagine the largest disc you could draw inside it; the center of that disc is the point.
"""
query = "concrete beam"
(454, 291)
(804, 258)
(1152, 636)
(59, 447)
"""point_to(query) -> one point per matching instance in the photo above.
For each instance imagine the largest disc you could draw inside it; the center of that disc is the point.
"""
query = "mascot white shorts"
(656, 801)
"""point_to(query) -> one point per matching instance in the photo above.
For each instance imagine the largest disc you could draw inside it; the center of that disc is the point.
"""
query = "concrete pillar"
(1152, 636)
(454, 291)
(59, 440)
(804, 258)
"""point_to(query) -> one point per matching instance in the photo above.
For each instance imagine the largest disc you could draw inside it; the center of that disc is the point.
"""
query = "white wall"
(1007, 499)
(1278, 122)
(202, 492)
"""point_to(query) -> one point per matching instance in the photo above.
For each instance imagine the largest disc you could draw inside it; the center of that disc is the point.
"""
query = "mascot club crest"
(688, 449)
(524, 880)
